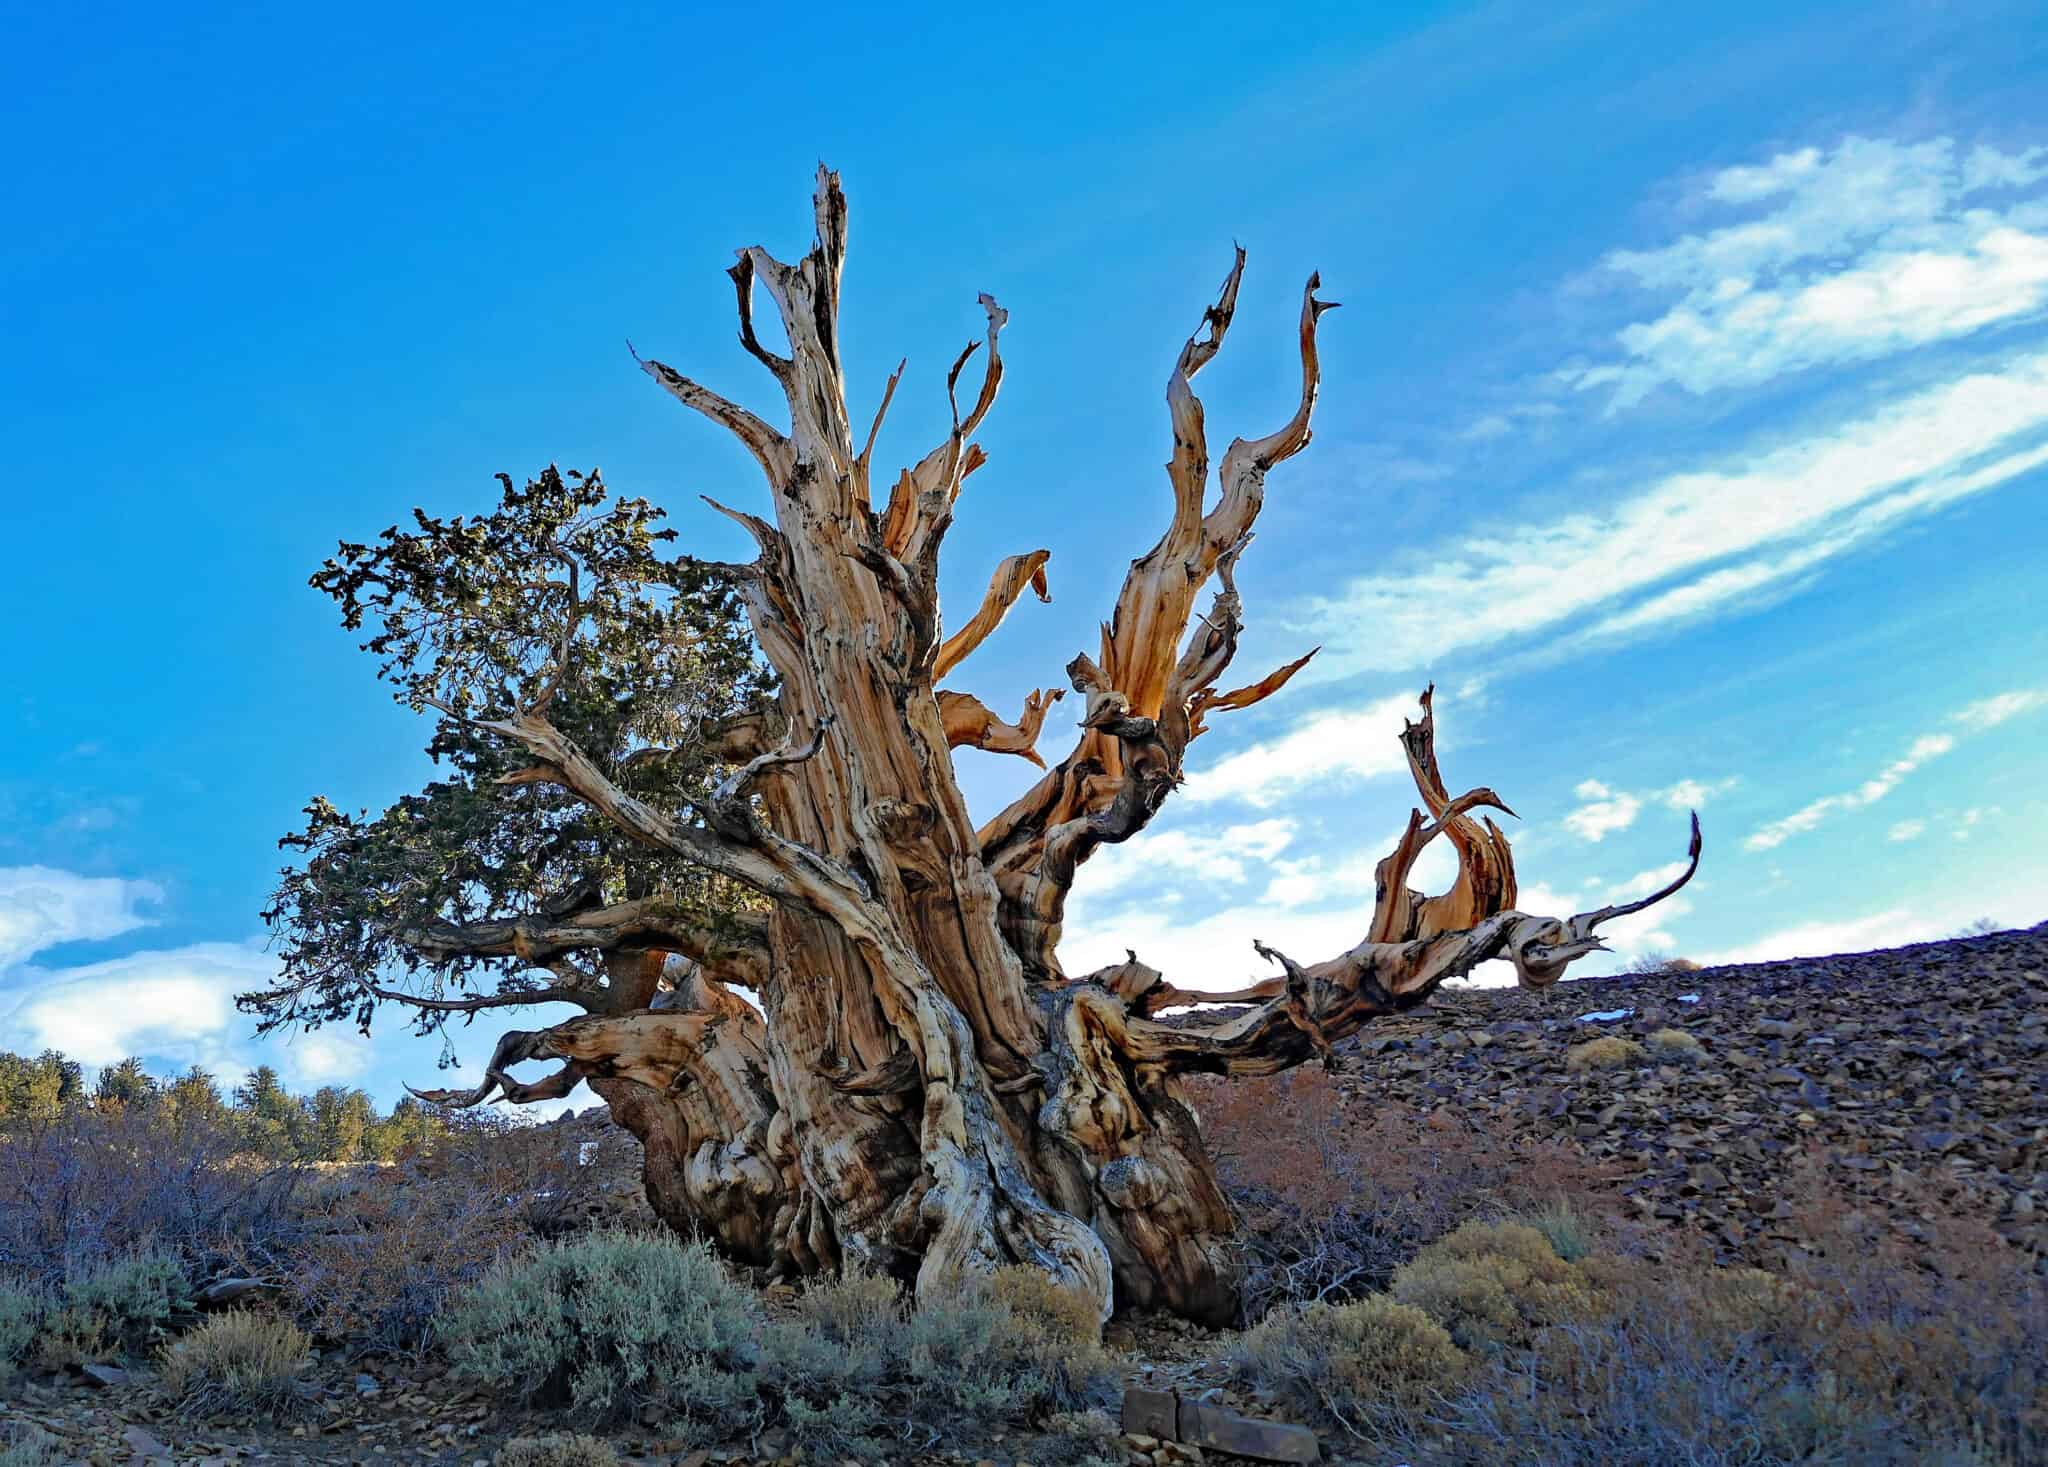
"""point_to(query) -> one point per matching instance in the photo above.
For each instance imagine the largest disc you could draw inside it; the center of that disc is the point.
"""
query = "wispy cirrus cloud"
(1973, 718)
(1831, 256)
(1771, 836)
(1822, 256)
(1701, 541)
(1991, 712)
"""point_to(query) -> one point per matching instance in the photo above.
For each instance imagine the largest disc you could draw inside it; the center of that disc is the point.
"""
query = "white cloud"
(174, 1007)
(1314, 880)
(1986, 713)
(1339, 742)
(1692, 794)
(41, 907)
(1968, 820)
(1847, 255)
(1907, 830)
(176, 1004)
(1701, 541)
(1991, 712)
(1215, 950)
(1603, 812)
(1925, 748)
(1163, 855)
(1819, 939)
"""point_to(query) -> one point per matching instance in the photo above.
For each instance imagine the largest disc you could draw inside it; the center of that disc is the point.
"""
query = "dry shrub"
(1861, 1355)
(1659, 965)
(559, 1449)
(1608, 1052)
(1043, 1302)
(241, 1363)
(1675, 1044)
(1361, 1367)
(91, 1185)
(1495, 1284)
(1334, 1197)
(385, 1247)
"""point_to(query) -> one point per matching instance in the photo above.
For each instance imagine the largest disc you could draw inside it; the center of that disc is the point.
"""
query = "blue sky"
(1686, 422)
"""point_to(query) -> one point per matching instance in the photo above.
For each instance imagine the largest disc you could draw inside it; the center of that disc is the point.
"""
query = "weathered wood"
(1172, 1417)
(922, 1089)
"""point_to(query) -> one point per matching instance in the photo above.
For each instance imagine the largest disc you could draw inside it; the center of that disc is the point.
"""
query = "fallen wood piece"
(223, 1292)
(1165, 1415)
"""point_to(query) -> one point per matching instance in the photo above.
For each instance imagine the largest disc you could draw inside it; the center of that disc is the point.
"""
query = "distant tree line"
(334, 1123)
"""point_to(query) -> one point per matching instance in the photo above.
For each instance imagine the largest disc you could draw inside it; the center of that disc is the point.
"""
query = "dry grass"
(560, 1449)
(1609, 1052)
(1355, 1366)
(241, 1364)
(1494, 1284)
(1675, 1044)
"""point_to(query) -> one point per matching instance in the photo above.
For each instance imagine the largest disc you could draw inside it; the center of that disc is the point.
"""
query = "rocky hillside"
(1910, 1084)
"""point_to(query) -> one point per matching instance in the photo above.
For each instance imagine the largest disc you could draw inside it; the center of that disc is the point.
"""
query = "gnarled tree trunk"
(923, 1089)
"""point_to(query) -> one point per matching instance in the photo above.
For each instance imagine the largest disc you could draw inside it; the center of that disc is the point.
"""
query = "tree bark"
(922, 1088)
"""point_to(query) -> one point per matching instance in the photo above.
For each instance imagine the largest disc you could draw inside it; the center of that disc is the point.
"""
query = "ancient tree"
(917, 1084)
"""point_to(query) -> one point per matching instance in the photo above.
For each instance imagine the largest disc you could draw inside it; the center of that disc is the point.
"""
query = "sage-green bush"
(860, 1375)
(611, 1324)
(122, 1305)
(23, 1445)
(22, 1308)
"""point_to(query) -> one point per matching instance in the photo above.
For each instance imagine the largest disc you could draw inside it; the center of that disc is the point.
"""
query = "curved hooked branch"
(1583, 925)
(1413, 943)
(730, 806)
(1113, 781)
(770, 449)
(1004, 587)
(970, 724)
(1318, 1005)
(1246, 461)
(1486, 864)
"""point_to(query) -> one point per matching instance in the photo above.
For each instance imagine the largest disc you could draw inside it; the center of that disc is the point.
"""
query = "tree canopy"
(487, 888)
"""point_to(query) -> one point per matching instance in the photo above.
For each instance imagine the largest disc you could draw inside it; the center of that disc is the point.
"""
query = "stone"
(1150, 1413)
(1268, 1441)
(142, 1445)
(104, 1375)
